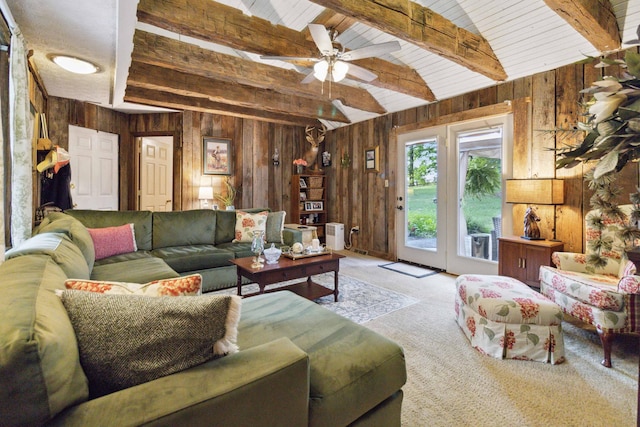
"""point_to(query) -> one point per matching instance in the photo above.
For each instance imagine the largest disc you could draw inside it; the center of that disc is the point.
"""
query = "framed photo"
(372, 159)
(216, 156)
(303, 183)
(313, 206)
(303, 196)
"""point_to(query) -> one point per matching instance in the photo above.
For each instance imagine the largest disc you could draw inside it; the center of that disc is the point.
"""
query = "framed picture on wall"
(216, 156)
(372, 159)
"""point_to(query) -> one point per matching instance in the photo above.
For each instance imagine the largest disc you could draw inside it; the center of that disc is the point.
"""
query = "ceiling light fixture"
(336, 70)
(74, 65)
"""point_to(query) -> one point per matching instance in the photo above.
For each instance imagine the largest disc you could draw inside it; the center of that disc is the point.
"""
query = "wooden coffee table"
(288, 269)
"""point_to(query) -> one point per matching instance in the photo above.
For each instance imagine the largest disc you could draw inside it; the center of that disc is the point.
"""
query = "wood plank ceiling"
(204, 55)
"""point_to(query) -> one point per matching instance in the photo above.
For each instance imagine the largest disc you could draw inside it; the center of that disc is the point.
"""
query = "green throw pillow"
(275, 225)
(125, 340)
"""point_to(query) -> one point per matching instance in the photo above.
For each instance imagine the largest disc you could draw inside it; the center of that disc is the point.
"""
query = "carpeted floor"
(451, 384)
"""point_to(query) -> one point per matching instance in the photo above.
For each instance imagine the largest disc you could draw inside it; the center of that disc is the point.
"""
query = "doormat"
(410, 270)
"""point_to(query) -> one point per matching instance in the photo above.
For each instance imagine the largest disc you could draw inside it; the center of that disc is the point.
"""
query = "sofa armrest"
(290, 236)
(263, 385)
(570, 261)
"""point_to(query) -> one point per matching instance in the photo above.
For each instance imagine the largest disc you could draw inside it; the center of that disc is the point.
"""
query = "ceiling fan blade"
(308, 79)
(369, 51)
(288, 58)
(321, 39)
(361, 73)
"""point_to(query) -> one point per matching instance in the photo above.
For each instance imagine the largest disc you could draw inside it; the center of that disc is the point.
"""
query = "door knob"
(73, 186)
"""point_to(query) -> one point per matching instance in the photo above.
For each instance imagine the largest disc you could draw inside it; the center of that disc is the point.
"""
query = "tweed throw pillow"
(109, 241)
(274, 227)
(247, 224)
(125, 340)
(177, 286)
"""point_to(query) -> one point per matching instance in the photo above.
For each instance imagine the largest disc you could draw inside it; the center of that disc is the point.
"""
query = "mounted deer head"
(315, 136)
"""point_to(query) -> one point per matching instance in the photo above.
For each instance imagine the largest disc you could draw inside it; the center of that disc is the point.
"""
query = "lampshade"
(339, 72)
(205, 193)
(320, 70)
(535, 191)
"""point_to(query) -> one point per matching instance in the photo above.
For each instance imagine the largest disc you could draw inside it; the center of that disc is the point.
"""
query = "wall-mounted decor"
(216, 156)
(372, 159)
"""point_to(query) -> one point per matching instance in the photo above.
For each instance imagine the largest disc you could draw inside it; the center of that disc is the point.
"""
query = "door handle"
(399, 208)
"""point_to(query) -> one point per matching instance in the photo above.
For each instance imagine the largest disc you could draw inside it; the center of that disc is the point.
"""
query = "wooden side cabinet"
(521, 258)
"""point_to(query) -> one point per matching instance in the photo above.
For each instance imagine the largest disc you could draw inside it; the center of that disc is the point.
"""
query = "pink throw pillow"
(111, 241)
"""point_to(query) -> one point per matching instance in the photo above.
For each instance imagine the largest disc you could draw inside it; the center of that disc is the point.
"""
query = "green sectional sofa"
(298, 363)
(183, 242)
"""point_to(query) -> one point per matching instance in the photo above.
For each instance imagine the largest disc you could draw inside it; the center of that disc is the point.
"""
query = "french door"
(422, 198)
(450, 209)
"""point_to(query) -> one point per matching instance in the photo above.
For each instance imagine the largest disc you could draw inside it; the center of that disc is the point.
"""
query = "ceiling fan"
(334, 61)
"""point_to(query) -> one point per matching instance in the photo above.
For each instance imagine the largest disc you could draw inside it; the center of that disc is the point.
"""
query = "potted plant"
(228, 196)
(611, 141)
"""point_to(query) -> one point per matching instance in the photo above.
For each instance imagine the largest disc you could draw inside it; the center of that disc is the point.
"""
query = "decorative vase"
(299, 169)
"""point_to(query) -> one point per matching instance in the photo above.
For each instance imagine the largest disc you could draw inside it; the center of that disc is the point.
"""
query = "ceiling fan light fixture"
(320, 70)
(74, 65)
(339, 71)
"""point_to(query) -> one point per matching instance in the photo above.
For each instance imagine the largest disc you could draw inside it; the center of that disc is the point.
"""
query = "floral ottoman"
(504, 318)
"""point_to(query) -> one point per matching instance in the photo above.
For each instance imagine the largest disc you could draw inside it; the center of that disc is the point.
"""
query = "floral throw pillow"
(109, 241)
(247, 224)
(177, 286)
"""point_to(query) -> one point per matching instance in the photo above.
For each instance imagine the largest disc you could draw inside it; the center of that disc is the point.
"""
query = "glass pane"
(480, 193)
(421, 194)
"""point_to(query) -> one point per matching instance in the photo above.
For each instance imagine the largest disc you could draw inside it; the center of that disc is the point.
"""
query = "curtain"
(20, 129)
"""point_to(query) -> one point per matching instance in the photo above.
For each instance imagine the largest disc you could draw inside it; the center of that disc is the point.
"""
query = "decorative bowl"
(272, 254)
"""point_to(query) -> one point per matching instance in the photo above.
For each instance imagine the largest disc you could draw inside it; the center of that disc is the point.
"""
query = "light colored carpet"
(451, 384)
(409, 269)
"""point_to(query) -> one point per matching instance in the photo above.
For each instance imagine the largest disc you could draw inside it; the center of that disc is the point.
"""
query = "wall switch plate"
(386, 183)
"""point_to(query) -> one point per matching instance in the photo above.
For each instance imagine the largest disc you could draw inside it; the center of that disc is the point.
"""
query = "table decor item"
(272, 254)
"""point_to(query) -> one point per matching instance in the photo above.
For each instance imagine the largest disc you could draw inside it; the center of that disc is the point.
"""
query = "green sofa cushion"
(124, 257)
(275, 225)
(353, 369)
(190, 258)
(60, 248)
(141, 220)
(181, 228)
(140, 270)
(40, 371)
(58, 222)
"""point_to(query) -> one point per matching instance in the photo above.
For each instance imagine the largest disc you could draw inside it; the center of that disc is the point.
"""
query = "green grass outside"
(479, 213)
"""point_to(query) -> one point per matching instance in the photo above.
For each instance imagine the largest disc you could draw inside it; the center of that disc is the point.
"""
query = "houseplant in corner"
(611, 141)
(229, 194)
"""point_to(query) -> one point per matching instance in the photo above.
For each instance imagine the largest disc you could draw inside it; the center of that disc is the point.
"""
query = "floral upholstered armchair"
(607, 297)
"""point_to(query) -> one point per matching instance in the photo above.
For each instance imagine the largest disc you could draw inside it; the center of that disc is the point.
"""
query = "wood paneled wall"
(540, 104)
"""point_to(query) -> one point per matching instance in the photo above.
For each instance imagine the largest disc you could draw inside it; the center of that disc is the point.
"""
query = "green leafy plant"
(611, 140)
(229, 195)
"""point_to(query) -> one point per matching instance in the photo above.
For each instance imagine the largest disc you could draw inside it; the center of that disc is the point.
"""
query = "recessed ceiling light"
(75, 65)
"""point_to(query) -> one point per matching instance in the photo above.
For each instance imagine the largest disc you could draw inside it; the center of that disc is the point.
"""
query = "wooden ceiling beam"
(180, 102)
(214, 22)
(165, 80)
(594, 19)
(423, 27)
(172, 54)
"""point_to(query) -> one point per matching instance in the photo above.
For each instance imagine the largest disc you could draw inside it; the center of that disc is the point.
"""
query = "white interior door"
(156, 173)
(422, 194)
(93, 157)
